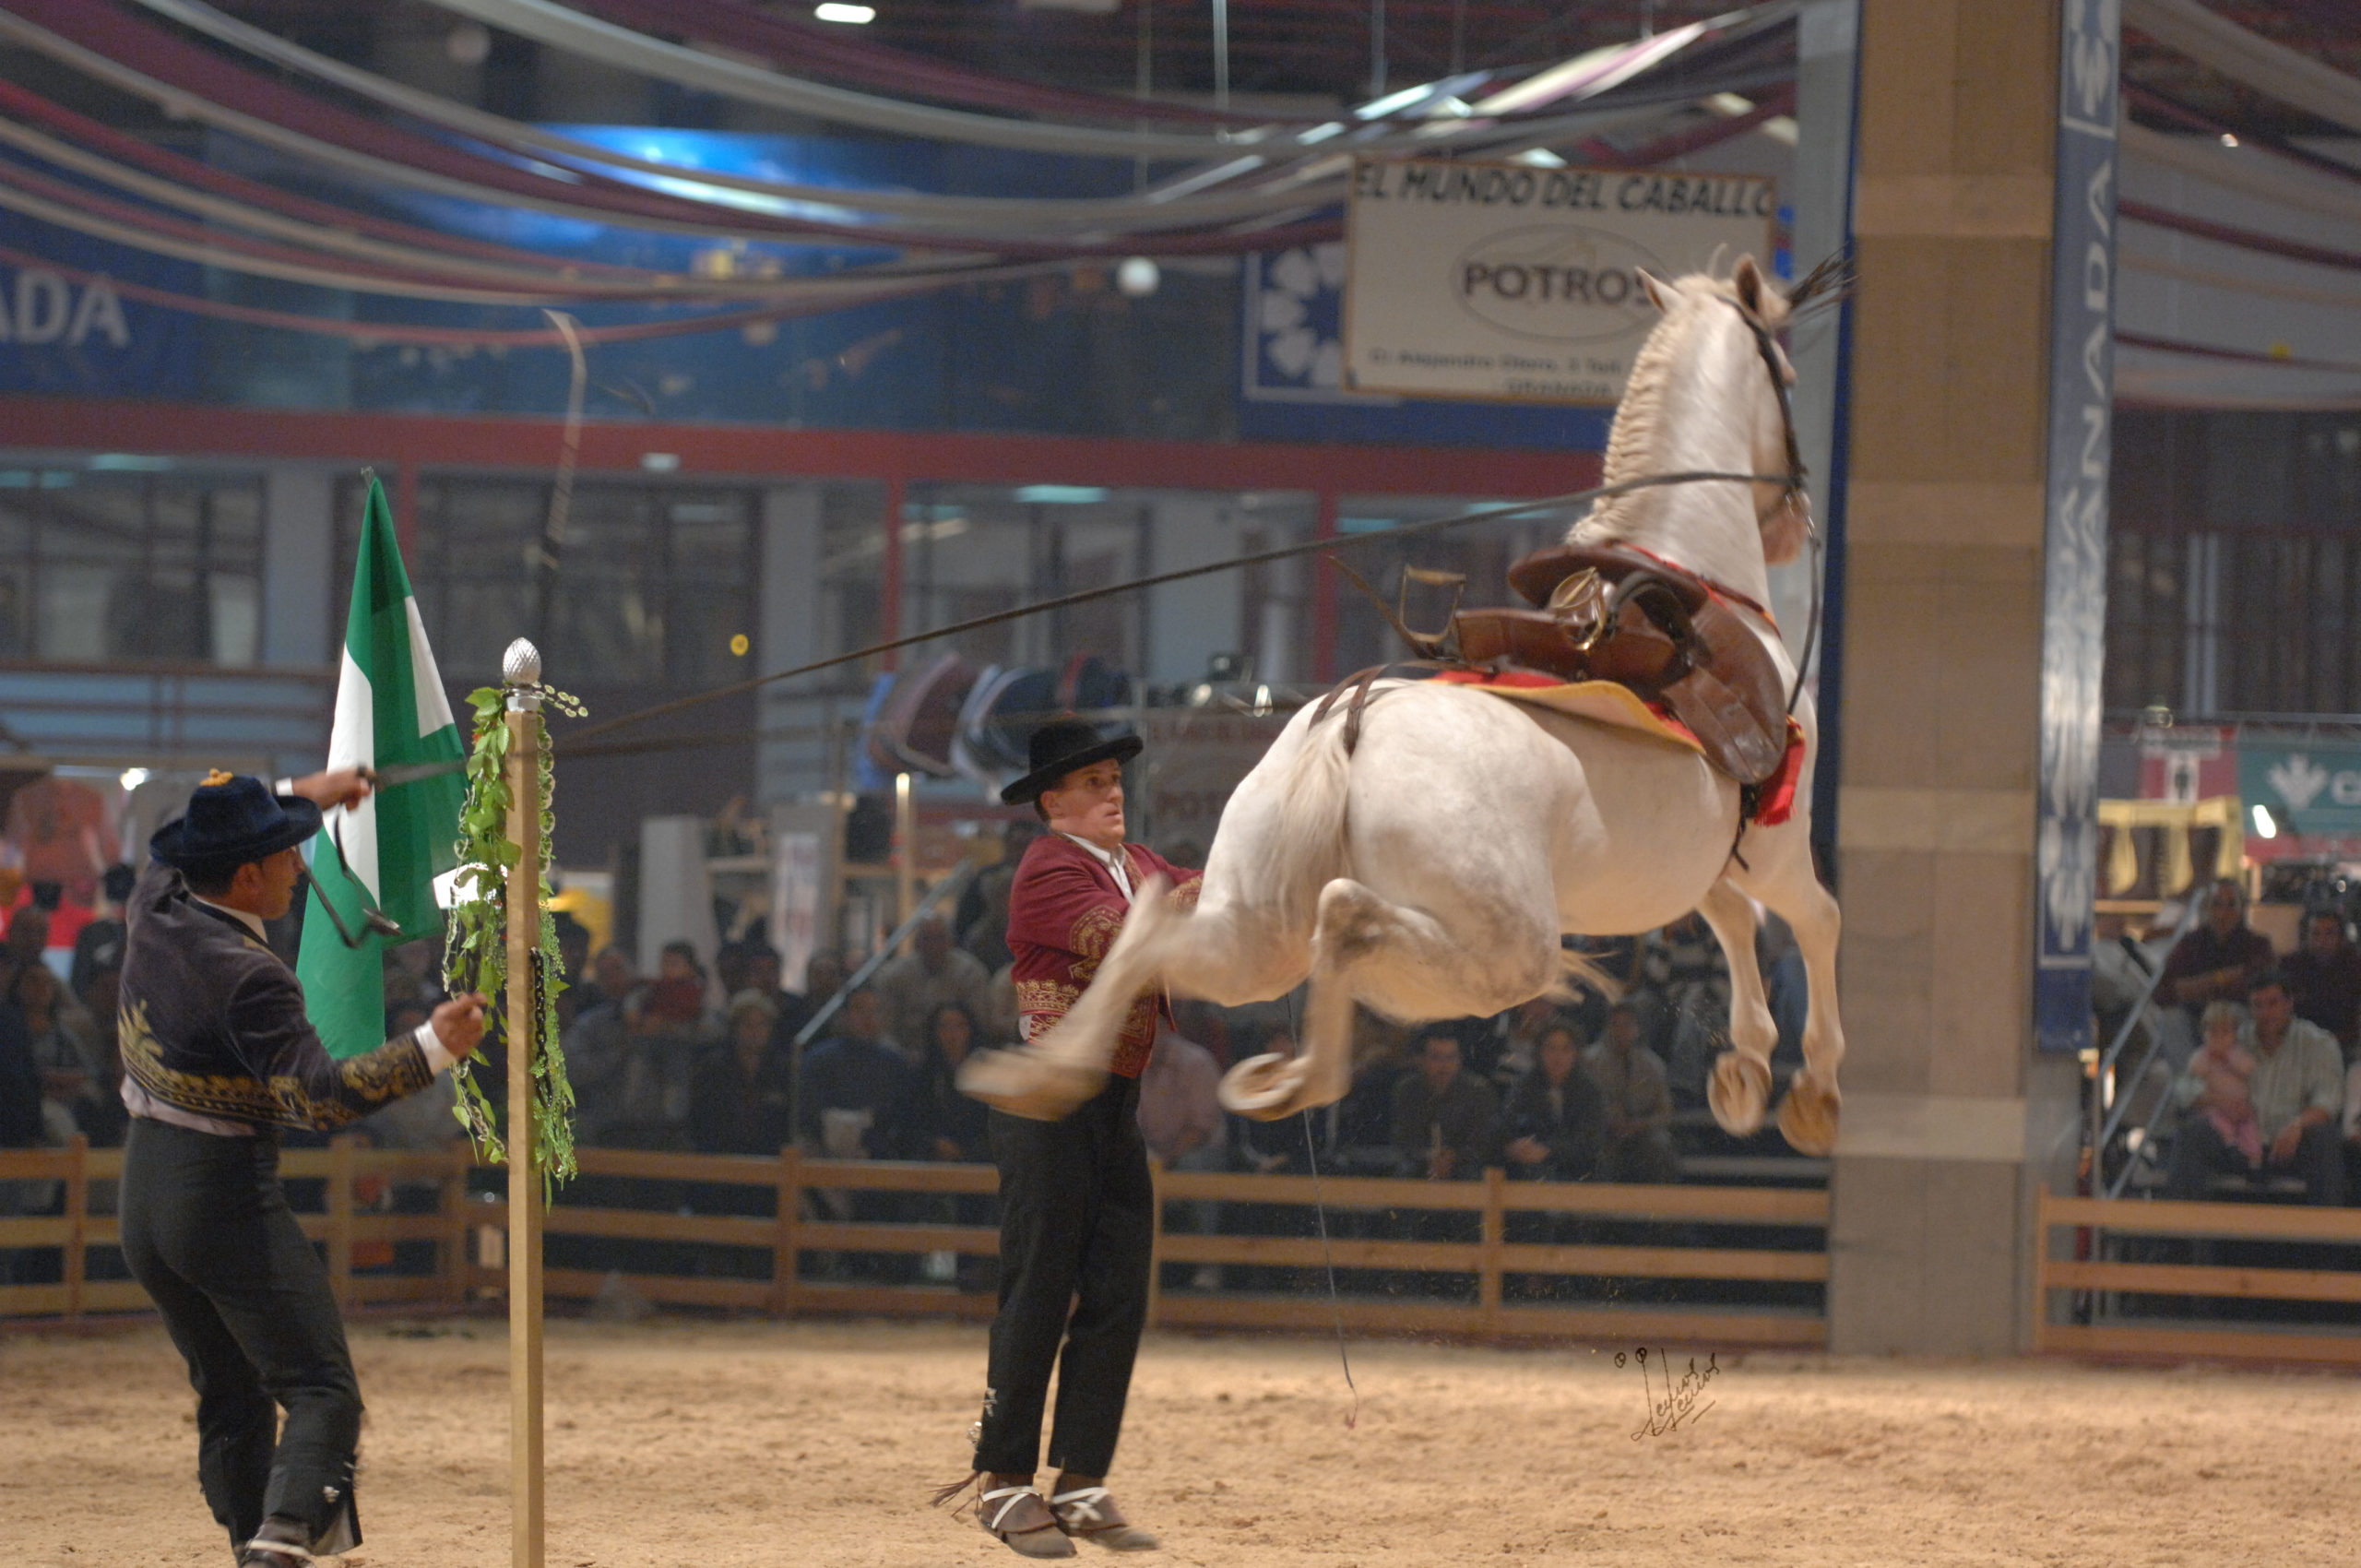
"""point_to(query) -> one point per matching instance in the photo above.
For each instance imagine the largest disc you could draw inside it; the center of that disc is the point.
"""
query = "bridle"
(1792, 492)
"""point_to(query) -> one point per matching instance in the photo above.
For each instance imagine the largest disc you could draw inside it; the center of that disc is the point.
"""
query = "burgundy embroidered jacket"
(1063, 911)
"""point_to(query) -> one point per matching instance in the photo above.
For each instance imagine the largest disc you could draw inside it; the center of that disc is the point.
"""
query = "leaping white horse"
(1431, 872)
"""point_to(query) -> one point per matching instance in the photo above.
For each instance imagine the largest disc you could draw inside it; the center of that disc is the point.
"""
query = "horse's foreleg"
(1787, 883)
(1740, 1090)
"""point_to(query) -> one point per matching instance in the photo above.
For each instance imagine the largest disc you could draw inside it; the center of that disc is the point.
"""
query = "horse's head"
(1746, 312)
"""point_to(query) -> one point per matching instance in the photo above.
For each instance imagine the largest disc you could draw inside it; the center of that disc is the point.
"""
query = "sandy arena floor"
(761, 1443)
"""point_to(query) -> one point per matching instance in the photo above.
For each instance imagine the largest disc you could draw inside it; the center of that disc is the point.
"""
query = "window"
(653, 581)
(101, 567)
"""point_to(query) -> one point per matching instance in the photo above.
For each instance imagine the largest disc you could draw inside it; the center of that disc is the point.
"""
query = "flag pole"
(521, 668)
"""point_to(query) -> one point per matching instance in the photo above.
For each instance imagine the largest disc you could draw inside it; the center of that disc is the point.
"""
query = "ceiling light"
(1729, 105)
(2263, 826)
(1138, 276)
(830, 11)
(1782, 128)
(1059, 494)
(2229, 140)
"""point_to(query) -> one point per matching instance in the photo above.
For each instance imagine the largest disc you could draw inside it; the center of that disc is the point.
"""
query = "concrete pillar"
(298, 563)
(790, 623)
(1952, 1117)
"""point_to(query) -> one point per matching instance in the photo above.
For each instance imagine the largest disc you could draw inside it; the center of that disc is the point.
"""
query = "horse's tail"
(1310, 849)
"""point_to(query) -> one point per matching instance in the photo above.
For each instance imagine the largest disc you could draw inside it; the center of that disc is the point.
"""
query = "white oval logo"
(1560, 283)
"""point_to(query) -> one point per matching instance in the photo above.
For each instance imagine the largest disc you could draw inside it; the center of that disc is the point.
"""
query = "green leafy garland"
(475, 953)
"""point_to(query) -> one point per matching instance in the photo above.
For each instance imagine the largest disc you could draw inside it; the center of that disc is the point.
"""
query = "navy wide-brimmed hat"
(232, 821)
(1063, 747)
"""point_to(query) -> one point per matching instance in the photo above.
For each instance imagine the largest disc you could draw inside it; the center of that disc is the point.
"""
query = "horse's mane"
(1640, 413)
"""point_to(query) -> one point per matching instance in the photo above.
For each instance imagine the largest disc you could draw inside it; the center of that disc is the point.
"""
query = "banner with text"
(1506, 281)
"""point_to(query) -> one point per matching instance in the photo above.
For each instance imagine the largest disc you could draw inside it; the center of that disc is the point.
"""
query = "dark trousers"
(207, 1232)
(2201, 1153)
(1077, 1225)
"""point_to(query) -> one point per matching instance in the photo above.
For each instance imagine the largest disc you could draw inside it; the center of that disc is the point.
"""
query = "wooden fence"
(468, 1230)
(2222, 1252)
(351, 1176)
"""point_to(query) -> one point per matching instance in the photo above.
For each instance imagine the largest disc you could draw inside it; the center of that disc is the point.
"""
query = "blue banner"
(2082, 398)
(67, 329)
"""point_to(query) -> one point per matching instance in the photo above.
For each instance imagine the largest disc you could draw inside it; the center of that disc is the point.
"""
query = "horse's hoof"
(1807, 1117)
(1022, 1084)
(1268, 1088)
(1739, 1093)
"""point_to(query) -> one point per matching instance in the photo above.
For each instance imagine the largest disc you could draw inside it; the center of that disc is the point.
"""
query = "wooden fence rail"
(2097, 1228)
(468, 1232)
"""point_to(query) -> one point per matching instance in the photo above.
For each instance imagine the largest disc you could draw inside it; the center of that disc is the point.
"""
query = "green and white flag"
(390, 709)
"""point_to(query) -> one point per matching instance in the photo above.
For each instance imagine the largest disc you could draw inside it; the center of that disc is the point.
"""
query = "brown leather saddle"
(1611, 614)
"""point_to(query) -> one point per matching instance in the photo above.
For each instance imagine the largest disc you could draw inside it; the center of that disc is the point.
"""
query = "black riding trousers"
(1077, 1221)
(208, 1233)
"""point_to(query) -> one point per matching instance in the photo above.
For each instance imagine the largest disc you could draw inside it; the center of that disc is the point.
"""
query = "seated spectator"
(2224, 1069)
(573, 963)
(2324, 973)
(945, 1124)
(106, 928)
(856, 1087)
(824, 976)
(1283, 1147)
(99, 1109)
(1514, 1046)
(57, 1030)
(740, 1096)
(1180, 1113)
(1445, 1118)
(598, 1052)
(1685, 969)
(421, 1121)
(1360, 1128)
(931, 974)
(1554, 1127)
(677, 998)
(1639, 1105)
(2298, 1089)
(613, 977)
(2220, 958)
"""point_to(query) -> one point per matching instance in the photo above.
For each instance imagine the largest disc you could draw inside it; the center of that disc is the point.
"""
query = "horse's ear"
(1659, 292)
(1747, 279)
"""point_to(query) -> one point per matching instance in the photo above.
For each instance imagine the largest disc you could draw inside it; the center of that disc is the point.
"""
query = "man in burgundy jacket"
(1076, 1203)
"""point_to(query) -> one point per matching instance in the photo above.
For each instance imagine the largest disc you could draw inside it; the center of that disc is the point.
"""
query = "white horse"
(1431, 872)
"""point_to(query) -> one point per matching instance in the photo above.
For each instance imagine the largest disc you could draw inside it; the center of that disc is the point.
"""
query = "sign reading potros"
(1502, 280)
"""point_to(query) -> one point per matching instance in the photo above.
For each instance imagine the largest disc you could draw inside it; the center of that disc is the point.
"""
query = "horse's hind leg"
(1406, 963)
(1740, 1088)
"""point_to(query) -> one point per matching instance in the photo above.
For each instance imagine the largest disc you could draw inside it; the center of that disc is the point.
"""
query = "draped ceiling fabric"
(2241, 265)
(1222, 185)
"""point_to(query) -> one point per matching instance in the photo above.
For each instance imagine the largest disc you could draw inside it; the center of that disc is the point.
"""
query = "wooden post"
(1488, 1280)
(77, 1223)
(786, 1248)
(451, 1253)
(339, 1238)
(522, 666)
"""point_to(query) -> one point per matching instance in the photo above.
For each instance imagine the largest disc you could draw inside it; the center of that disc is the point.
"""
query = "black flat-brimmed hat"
(1063, 747)
(231, 821)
